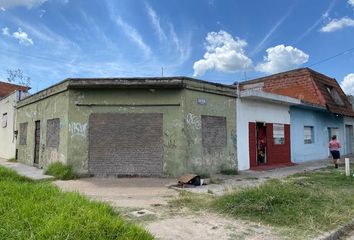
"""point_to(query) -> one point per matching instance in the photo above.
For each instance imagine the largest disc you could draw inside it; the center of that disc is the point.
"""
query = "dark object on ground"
(190, 179)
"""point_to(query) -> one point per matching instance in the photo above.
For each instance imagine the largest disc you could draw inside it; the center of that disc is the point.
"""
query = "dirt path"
(207, 227)
(123, 192)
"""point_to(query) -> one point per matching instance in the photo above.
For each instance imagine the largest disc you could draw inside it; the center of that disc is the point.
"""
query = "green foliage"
(228, 171)
(304, 204)
(39, 210)
(60, 171)
(301, 206)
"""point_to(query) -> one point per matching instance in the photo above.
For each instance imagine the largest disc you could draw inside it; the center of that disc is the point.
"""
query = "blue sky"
(216, 40)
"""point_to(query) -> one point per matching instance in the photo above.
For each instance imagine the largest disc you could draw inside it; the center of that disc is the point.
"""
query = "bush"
(60, 171)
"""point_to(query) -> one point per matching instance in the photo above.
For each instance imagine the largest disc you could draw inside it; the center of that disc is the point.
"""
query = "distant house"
(324, 111)
(10, 94)
(130, 126)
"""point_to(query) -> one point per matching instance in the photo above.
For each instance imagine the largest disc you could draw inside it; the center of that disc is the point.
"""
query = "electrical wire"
(330, 58)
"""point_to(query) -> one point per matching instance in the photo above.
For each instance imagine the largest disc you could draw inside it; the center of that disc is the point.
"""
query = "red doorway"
(265, 149)
(261, 143)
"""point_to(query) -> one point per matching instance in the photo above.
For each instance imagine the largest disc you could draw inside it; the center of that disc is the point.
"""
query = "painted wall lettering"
(78, 129)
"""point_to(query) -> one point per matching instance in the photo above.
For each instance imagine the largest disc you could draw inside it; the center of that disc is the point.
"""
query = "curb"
(339, 232)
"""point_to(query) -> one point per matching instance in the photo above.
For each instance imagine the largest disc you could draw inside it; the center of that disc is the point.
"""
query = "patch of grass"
(194, 201)
(203, 175)
(229, 172)
(39, 210)
(60, 171)
(12, 160)
(303, 205)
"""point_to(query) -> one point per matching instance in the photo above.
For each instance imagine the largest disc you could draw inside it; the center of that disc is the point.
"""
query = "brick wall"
(125, 144)
(297, 84)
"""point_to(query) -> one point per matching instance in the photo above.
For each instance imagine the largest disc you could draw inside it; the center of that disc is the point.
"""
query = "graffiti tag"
(78, 129)
(193, 120)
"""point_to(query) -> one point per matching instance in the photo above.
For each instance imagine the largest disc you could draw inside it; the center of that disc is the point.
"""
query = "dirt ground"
(144, 201)
(208, 227)
(123, 192)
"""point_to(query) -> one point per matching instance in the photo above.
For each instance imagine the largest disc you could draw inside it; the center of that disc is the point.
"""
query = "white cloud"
(155, 20)
(5, 31)
(348, 84)
(337, 24)
(281, 58)
(3, 9)
(134, 35)
(20, 35)
(17, 3)
(351, 2)
(224, 54)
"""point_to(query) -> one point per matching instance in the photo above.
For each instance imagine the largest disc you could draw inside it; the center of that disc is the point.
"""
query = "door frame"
(264, 125)
(37, 146)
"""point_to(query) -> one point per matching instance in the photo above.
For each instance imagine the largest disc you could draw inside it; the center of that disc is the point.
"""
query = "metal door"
(37, 138)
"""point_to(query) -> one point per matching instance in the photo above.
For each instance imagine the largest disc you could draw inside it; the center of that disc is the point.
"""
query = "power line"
(330, 58)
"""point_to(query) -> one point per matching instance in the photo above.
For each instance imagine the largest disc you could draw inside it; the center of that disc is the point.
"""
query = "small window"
(23, 133)
(335, 96)
(4, 120)
(333, 131)
(308, 135)
(278, 133)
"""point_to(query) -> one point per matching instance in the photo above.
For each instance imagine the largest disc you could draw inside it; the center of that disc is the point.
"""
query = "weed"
(60, 171)
(39, 210)
(210, 191)
(310, 205)
(229, 172)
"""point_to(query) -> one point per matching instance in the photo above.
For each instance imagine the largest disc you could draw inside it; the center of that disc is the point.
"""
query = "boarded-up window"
(4, 120)
(308, 134)
(214, 135)
(23, 133)
(278, 133)
(53, 127)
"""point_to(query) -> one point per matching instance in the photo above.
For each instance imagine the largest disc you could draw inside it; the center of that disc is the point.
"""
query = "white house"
(10, 94)
(263, 128)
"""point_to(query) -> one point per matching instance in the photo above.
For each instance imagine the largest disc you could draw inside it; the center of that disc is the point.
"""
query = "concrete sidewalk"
(252, 178)
(25, 170)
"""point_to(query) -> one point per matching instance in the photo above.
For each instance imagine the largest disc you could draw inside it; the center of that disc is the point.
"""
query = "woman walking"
(334, 146)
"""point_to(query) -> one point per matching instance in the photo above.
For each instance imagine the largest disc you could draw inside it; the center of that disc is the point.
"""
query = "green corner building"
(164, 126)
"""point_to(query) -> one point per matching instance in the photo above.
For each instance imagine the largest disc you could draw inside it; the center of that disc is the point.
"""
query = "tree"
(17, 76)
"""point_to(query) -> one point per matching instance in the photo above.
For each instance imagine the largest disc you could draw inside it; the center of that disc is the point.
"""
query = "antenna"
(161, 71)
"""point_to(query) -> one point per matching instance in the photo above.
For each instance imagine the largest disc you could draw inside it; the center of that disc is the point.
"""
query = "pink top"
(334, 145)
